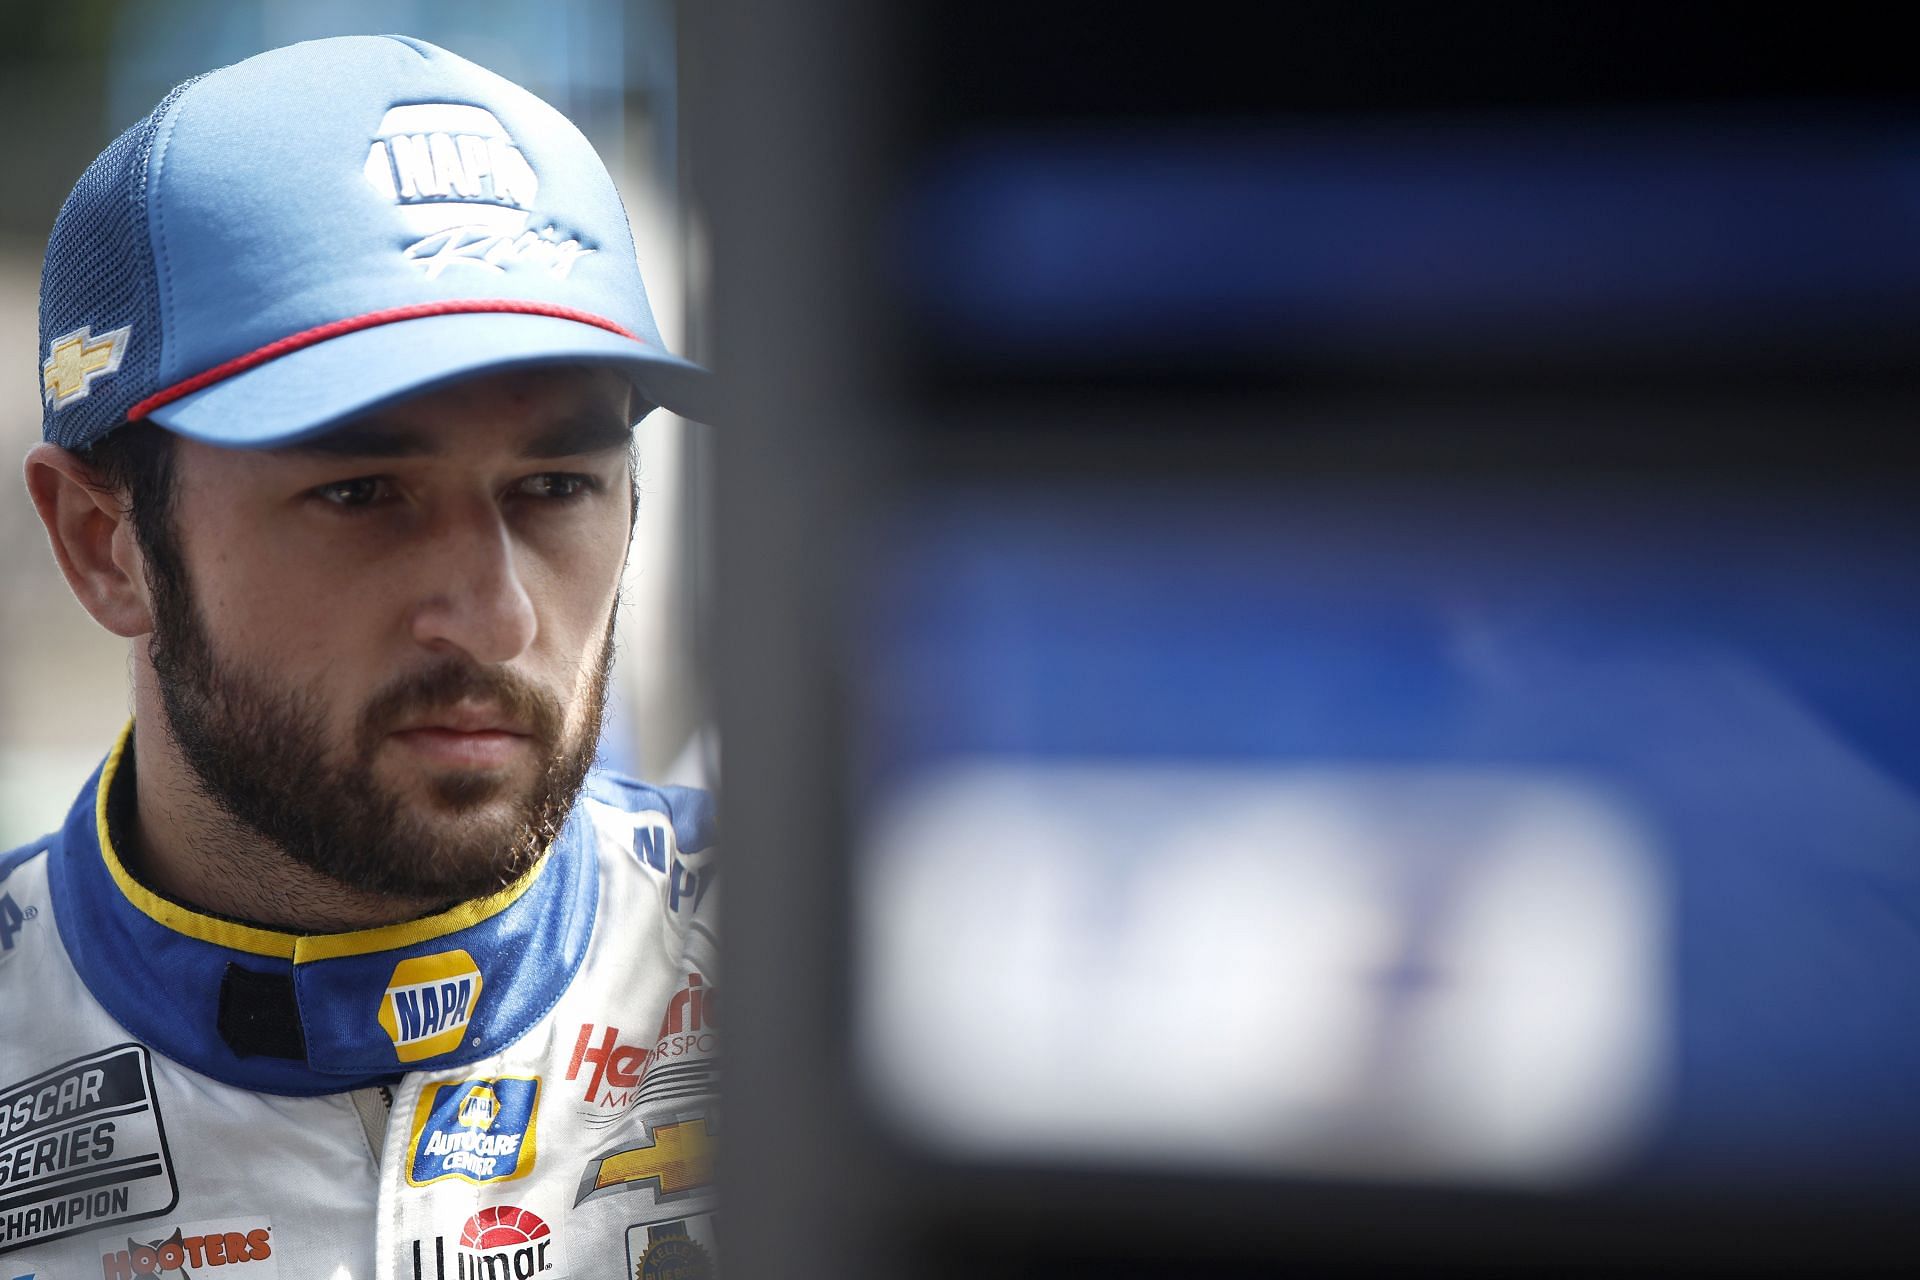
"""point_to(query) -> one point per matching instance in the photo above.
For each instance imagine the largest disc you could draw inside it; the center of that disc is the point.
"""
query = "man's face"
(386, 650)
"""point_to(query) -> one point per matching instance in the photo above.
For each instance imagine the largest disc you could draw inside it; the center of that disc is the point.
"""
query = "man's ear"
(93, 539)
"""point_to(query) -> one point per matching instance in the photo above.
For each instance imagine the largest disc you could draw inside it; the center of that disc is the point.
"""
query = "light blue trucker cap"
(323, 229)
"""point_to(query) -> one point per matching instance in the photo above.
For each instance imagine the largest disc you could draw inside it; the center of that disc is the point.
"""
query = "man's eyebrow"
(589, 433)
(366, 440)
(564, 439)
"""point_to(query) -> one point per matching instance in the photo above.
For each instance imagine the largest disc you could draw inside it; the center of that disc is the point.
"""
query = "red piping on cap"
(307, 338)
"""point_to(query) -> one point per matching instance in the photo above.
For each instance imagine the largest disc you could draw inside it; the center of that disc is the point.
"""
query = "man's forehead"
(540, 413)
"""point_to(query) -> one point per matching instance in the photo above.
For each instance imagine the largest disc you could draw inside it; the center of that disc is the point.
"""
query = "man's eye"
(361, 492)
(555, 484)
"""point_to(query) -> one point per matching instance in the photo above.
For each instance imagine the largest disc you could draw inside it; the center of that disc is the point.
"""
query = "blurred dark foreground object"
(1320, 638)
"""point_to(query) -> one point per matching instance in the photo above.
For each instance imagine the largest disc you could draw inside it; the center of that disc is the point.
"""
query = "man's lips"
(465, 719)
(464, 738)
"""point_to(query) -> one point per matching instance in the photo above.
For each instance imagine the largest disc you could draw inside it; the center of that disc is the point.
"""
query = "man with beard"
(344, 963)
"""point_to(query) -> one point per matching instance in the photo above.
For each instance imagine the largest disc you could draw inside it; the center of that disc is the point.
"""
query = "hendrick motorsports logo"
(81, 1147)
(476, 1131)
(621, 1076)
(428, 1004)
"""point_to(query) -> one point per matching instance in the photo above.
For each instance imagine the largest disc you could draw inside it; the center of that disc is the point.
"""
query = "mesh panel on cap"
(99, 273)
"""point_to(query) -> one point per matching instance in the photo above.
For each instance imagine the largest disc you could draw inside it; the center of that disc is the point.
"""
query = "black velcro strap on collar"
(259, 1015)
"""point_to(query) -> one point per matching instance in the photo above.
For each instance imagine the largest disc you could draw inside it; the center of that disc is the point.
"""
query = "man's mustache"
(449, 683)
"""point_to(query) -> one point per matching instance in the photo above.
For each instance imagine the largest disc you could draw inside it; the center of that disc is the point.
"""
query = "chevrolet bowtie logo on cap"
(76, 359)
(317, 231)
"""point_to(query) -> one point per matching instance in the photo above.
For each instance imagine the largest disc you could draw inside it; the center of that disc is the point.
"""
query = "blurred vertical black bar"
(776, 145)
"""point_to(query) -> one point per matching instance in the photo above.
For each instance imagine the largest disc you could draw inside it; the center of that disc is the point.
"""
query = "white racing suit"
(519, 1088)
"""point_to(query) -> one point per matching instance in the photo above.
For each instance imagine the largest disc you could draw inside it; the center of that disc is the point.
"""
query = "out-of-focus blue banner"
(1441, 237)
(1432, 781)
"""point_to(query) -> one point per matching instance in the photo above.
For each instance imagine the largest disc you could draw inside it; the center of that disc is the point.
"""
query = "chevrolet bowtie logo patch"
(75, 359)
(679, 1159)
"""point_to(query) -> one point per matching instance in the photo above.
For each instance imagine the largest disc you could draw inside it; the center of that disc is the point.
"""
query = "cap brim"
(306, 392)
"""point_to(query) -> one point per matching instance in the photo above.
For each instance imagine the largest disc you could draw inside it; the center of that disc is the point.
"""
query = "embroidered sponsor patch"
(460, 182)
(500, 1242)
(245, 1244)
(428, 1004)
(13, 918)
(619, 1076)
(475, 1130)
(676, 1160)
(677, 1249)
(82, 1147)
(76, 359)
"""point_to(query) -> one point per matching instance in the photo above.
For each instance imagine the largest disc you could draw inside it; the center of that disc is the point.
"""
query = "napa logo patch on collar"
(428, 1003)
(474, 1130)
(75, 360)
(460, 182)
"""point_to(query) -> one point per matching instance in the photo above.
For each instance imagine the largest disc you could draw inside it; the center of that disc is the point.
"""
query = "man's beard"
(261, 754)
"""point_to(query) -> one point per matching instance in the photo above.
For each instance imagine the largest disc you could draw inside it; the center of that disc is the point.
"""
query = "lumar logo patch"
(500, 1242)
(476, 1131)
(75, 359)
(464, 187)
(428, 1003)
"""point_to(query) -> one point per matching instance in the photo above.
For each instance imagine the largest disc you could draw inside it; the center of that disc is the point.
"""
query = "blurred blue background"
(1471, 530)
(1436, 238)
(1732, 677)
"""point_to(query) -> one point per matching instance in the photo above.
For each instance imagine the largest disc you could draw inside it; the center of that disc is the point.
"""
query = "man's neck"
(182, 845)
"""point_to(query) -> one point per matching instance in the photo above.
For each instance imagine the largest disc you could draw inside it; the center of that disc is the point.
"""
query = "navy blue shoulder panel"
(689, 808)
(14, 857)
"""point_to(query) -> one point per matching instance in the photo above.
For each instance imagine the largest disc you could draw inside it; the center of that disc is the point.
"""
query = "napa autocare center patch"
(82, 1146)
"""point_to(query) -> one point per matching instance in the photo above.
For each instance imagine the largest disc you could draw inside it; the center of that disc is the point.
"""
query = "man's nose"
(474, 598)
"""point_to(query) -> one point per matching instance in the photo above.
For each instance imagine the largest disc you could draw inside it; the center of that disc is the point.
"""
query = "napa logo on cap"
(428, 1004)
(461, 184)
(474, 1130)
